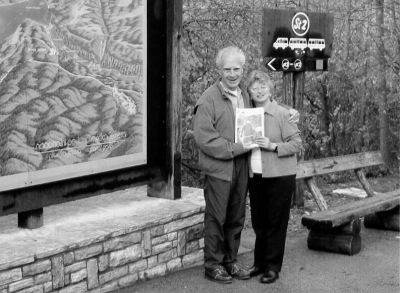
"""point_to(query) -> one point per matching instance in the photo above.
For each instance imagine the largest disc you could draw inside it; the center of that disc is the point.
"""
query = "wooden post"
(364, 182)
(388, 220)
(31, 219)
(344, 244)
(316, 193)
(171, 187)
(293, 91)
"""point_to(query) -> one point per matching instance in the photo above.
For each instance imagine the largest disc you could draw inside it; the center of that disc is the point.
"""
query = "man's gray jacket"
(214, 132)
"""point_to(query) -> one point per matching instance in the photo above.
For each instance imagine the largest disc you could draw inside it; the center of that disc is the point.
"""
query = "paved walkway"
(374, 270)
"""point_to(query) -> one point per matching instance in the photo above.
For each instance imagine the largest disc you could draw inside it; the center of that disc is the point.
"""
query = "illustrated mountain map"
(72, 83)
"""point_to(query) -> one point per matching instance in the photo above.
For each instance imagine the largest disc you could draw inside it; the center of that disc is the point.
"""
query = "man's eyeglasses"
(234, 70)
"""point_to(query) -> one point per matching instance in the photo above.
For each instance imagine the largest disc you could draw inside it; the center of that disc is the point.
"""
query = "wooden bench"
(337, 229)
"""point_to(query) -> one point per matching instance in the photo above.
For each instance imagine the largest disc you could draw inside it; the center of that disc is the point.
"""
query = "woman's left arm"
(291, 138)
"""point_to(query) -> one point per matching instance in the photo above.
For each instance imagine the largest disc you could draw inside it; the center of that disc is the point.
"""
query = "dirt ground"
(376, 269)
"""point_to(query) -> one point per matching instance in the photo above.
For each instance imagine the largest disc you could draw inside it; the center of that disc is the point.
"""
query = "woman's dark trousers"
(270, 200)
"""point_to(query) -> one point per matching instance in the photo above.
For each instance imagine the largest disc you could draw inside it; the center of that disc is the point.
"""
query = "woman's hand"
(265, 143)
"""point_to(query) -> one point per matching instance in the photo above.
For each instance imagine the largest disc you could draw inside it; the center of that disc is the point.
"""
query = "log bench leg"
(31, 219)
(388, 220)
(344, 240)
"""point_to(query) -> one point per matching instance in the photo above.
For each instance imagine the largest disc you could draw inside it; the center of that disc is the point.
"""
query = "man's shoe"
(218, 274)
(256, 270)
(237, 271)
(269, 277)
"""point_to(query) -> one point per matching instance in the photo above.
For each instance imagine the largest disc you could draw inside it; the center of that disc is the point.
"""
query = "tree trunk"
(381, 84)
(293, 92)
(348, 34)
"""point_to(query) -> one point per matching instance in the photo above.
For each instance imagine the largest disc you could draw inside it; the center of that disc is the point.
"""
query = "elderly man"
(225, 165)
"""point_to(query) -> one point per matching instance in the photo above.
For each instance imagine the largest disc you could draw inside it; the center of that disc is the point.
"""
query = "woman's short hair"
(260, 76)
(231, 50)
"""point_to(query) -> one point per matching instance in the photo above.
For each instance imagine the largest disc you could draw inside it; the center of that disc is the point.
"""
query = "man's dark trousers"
(225, 215)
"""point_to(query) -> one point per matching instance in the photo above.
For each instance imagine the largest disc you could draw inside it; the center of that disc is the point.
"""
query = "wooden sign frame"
(162, 169)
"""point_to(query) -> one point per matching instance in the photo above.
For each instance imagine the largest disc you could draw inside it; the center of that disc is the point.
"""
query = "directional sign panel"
(285, 64)
(296, 34)
(295, 64)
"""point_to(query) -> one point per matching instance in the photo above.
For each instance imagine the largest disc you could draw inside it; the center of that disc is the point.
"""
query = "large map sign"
(72, 88)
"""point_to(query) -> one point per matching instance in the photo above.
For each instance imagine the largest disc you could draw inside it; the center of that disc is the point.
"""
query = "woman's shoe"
(269, 277)
(256, 270)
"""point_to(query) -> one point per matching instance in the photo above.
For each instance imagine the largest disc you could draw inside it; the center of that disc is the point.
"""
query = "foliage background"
(344, 108)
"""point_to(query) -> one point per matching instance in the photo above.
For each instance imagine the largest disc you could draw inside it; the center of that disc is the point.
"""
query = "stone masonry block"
(93, 273)
(195, 232)
(88, 251)
(159, 239)
(146, 243)
(172, 236)
(15, 263)
(157, 271)
(67, 279)
(201, 243)
(128, 280)
(78, 276)
(47, 287)
(43, 278)
(181, 242)
(121, 257)
(9, 276)
(152, 261)
(36, 268)
(34, 289)
(183, 223)
(57, 271)
(193, 258)
(20, 285)
(140, 265)
(109, 287)
(76, 288)
(161, 248)
(122, 242)
(174, 264)
(113, 275)
(68, 258)
(157, 231)
(103, 262)
(166, 256)
(192, 246)
(141, 276)
(75, 267)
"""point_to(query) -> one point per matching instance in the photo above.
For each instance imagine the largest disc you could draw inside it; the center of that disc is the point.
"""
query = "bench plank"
(336, 164)
(337, 216)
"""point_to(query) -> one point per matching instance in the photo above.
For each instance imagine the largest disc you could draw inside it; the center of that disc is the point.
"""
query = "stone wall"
(111, 261)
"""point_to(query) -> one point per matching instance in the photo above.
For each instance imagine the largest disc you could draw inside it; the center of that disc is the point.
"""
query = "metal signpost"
(294, 42)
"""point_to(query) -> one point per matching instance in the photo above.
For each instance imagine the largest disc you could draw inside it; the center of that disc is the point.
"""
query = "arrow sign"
(285, 64)
(270, 64)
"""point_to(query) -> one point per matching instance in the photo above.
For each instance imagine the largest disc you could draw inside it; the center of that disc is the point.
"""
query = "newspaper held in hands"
(249, 124)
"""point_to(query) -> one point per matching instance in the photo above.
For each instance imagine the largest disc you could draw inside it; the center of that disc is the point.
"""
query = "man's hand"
(249, 146)
(294, 116)
(265, 143)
